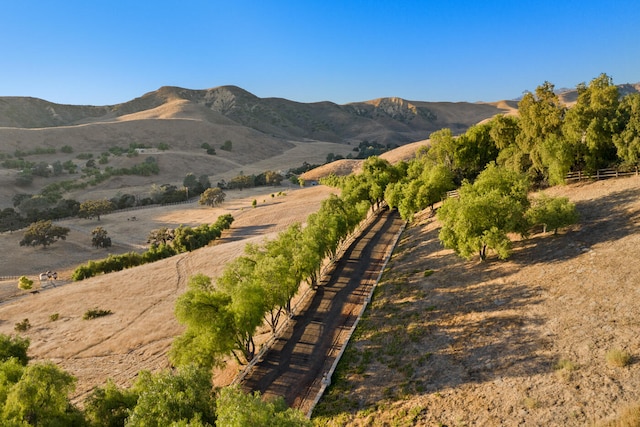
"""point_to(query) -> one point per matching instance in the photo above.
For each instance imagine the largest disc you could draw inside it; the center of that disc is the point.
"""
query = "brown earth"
(517, 342)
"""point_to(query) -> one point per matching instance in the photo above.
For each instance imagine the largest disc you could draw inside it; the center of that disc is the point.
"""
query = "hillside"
(385, 120)
(266, 133)
(518, 342)
(139, 333)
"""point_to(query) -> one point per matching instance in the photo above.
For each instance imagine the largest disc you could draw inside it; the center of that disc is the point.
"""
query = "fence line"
(600, 174)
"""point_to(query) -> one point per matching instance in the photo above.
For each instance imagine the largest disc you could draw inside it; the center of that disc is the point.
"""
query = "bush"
(23, 326)
(95, 313)
(14, 347)
(186, 239)
(25, 283)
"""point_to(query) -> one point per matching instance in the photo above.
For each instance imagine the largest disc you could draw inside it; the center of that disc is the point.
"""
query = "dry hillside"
(139, 332)
(519, 342)
(266, 133)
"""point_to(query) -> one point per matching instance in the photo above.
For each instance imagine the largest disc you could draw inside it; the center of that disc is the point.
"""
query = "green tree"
(627, 141)
(207, 315)
(109, 405)
(14, 347)
(95, 208)
(475, 149)
(43, 233)
(442, 150)
(485, 213)
(190, 182)
(227, 146)
(541, 116)
(167, 397)
(159, 236)
(99, 238)
(247, 303)
(592, 122)
(238, 409)
(552, 213)
(212, 197)
(41, 397)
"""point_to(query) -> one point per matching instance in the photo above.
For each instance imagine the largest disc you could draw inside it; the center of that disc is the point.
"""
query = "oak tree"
(43, 233)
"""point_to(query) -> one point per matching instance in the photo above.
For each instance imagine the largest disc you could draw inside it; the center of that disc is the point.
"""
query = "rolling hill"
(266, 134)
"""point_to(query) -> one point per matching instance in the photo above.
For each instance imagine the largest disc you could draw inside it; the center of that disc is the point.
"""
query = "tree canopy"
(43, 233)
(95, 208)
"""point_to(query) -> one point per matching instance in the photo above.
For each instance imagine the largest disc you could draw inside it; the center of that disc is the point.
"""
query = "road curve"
(296, 363)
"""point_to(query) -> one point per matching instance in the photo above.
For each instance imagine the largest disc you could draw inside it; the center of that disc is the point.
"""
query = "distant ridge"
(385, 120)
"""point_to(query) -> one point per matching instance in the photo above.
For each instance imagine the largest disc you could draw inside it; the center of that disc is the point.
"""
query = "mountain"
(384, 120)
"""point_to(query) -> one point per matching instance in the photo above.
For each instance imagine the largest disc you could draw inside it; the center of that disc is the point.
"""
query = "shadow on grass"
(240, 233)
(603, 219)
(427, 332)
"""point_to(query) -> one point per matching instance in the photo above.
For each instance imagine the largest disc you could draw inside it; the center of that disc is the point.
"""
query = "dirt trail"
(294, 367)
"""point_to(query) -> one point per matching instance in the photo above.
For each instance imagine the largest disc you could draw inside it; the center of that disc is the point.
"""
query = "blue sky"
(106, 52)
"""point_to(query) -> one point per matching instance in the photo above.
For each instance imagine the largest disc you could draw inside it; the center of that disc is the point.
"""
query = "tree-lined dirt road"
(303, 353)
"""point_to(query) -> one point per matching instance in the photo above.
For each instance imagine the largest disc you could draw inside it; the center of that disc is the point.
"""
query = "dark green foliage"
(99, 238)
(109, 406)
(94, 313)
(43, 233)
(14, 347)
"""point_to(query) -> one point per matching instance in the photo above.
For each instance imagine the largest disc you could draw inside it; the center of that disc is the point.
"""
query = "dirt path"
(294, 367)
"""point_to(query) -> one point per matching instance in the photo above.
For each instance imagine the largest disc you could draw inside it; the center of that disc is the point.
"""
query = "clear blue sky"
(98, 52)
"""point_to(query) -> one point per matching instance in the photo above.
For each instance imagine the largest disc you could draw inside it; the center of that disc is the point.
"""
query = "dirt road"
(295, 365)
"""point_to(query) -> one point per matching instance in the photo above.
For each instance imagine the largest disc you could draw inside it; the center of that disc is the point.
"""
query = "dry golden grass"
(139, 332)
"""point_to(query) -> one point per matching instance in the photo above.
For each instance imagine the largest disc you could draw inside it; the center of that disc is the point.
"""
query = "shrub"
(23, 326)
(95, 313)
(25, 283)
(618, 358)
(54, 317)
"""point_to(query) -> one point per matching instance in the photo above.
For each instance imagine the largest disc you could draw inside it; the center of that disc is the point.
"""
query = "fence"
(599, 174)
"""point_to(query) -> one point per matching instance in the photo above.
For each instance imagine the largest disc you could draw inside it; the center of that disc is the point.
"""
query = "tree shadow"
(602, 219)
(437, 322)
(244, 232)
